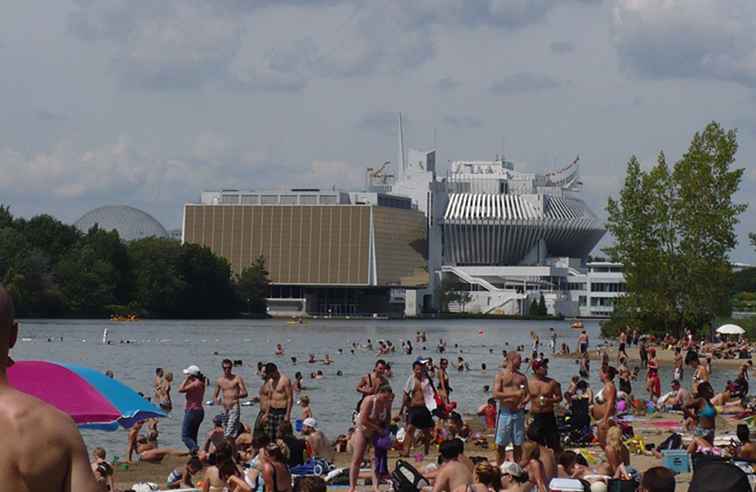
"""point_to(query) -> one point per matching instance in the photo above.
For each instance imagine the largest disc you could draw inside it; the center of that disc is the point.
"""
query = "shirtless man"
(700, 371)
(233, 388)
(279, 400)
(510, 388)
(418, 415)
(316, 440)
(42, 448)
(454, 472)
(544, 393)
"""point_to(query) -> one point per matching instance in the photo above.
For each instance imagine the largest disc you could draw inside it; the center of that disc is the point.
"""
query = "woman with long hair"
(617, 455)
(702, 412)
(487, 478)
(533, 466)
(224, 475)
(275, 472)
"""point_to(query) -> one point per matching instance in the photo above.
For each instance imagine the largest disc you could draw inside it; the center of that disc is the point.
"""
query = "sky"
(147, 103)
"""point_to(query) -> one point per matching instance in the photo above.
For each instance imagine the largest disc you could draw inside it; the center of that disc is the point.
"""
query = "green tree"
(87, 281)
(673, 230)
(157, 281)
(254, 287)
(208, 285)
(542, 309)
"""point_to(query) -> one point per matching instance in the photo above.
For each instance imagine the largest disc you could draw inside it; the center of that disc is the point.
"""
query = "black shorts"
(622, 347)
(420, 417)
(545, 424)
(583, 348)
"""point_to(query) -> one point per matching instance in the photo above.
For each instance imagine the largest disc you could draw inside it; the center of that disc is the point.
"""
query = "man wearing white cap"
(194, 389)
(316, 440)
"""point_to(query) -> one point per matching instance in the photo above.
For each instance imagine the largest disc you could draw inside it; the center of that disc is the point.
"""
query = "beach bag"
(406, 478)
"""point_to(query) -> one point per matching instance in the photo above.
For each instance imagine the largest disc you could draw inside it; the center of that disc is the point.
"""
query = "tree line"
(52, 269)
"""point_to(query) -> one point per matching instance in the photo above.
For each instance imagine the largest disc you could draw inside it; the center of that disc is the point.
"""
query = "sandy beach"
(652, 429)
(663, 357)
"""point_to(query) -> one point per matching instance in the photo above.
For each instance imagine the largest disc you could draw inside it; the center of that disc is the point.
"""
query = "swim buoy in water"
(481, 333)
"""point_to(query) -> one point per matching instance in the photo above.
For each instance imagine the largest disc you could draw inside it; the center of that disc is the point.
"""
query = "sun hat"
(310, 422)
(192, 370)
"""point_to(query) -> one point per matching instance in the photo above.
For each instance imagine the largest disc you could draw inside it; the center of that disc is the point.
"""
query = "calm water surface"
(175, 345)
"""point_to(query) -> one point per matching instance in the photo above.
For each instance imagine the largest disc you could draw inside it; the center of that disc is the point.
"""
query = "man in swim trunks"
(370, 382)
(234, 389)
(510, 389)
(279, 400)
(544, 394)
(42, 448)
(416, 391)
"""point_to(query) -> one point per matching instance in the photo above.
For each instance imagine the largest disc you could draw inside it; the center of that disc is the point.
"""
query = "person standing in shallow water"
(49, 453)
(194, 389)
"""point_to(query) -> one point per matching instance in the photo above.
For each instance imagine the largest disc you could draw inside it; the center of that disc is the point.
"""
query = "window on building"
(328, 199)
(229, 199)
(576, 286)
(250, 199)
(582, 300)
(288, 199)
(269, 199)
(308, 199)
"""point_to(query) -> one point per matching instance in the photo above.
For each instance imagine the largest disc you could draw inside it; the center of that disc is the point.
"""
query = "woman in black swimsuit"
(275, 472)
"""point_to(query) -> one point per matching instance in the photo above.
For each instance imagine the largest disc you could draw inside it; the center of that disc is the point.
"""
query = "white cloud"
(708, 39)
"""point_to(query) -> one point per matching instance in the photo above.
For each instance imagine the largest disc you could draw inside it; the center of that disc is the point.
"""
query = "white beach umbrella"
(730, 329)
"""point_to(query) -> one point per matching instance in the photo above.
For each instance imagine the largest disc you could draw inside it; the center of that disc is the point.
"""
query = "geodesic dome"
(131, 223)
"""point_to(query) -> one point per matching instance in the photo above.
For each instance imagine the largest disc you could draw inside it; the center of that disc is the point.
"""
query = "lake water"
(175, 345)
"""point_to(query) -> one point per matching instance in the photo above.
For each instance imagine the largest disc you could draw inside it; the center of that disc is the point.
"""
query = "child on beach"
(488, 412)
(304, 402)
(182, 477)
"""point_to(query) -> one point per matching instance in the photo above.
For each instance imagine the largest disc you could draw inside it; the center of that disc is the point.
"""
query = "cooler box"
(565, 485)
(677, 460)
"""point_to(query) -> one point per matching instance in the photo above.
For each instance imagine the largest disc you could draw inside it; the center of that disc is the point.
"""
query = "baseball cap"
(192, 370)
(511, 468)
(539, 363)
(310, 422)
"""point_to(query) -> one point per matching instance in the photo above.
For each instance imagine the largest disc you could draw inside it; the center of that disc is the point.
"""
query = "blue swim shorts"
(510, 428)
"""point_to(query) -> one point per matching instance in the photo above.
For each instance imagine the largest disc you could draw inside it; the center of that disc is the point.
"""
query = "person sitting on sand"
(275, 472)
(216, 435)
(225, 474)
(533, 466)
(486, 478)
(453, 473)
(617, 455)
(746, 449)
(514, 478)
(677, 398)
(702, 412)
(102, 470)
(146, 452)
(182, 477)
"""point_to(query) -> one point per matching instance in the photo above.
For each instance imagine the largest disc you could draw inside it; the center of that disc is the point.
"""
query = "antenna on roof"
(401, 160)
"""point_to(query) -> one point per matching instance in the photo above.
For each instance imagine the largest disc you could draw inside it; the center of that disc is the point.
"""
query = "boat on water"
(128, 317)
(295, 321)
(577, 325)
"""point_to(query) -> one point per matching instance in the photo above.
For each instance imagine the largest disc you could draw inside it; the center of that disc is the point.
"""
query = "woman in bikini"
(604, 407)
(224, 475)
(702, 412)
(373, 419)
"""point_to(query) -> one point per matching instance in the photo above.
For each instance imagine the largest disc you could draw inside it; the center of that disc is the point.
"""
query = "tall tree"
(673, 230)
(254, 287)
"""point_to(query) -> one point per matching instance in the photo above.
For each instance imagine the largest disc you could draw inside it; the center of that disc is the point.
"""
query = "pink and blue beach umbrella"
(91, 398)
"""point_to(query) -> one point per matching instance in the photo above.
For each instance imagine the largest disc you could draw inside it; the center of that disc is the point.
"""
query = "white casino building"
(506, 236)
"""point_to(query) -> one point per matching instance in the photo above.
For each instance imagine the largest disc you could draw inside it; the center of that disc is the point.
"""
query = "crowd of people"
(526, 413)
